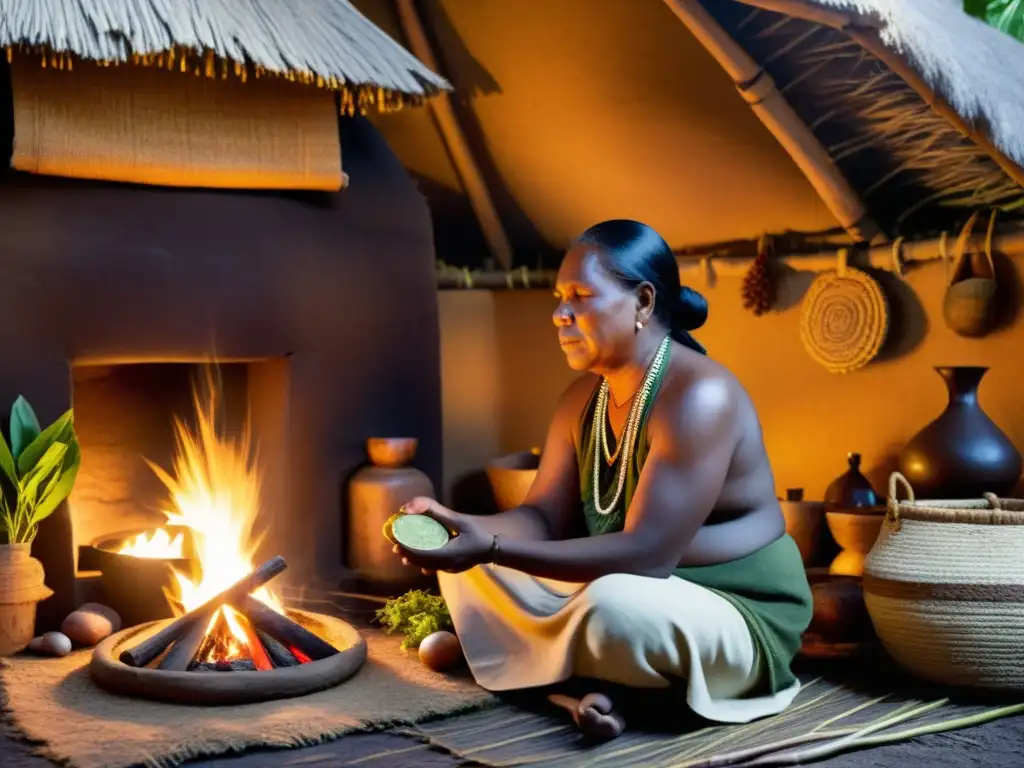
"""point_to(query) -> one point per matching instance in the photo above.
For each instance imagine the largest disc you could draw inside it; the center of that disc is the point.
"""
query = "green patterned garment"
(768, 587)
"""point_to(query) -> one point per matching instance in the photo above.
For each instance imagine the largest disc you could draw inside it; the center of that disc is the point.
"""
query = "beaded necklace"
(629, 434)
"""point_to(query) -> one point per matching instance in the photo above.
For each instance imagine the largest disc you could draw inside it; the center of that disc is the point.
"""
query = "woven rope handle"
(960, 250)
(892, 509)
(989, 235)
(993, 500)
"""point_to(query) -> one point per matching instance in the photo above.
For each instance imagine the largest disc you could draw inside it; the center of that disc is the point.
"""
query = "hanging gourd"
(969, 307)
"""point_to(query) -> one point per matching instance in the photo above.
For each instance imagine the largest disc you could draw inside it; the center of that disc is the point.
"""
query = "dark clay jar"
(962, 454)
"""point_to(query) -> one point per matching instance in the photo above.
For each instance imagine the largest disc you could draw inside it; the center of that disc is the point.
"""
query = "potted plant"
(37, 472)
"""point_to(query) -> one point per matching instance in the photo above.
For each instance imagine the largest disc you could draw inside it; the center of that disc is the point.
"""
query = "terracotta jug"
(962, 454)
(375, 493)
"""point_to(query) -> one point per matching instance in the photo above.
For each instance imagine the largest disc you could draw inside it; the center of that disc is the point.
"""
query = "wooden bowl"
(511, 477)
(856, 532)
(391, 452)
(224, 688)
(803, 523)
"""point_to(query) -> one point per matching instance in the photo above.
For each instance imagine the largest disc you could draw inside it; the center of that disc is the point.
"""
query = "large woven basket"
(844, 319)
(944, 585)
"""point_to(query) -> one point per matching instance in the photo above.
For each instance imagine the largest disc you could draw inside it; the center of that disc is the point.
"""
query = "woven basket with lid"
(944, 585)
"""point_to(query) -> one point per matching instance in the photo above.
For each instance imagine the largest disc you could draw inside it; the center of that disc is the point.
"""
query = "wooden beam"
(864, 31)
(455, 140)
(759, 91)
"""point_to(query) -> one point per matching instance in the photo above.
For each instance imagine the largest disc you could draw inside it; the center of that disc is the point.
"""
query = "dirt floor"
(995, 745)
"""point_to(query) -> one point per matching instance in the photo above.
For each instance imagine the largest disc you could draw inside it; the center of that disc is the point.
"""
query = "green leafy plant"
(1004, 15)
(416, 614)
(37, 471)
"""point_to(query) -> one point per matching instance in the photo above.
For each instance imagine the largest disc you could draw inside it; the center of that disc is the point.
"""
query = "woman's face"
(596, 317)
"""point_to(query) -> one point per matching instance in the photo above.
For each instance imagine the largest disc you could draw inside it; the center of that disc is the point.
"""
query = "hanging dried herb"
(759, 282)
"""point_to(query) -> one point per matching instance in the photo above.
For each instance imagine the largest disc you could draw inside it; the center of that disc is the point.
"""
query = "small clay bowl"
(855, 530)
(391, 452)
(511, 477)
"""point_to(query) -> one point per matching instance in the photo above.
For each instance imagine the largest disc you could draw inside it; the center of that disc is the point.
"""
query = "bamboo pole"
(455, 140)
(759, 91)
(865, 32)
(889, 256)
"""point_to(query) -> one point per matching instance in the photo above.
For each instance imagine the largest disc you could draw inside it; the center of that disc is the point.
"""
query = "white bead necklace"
(624, 449)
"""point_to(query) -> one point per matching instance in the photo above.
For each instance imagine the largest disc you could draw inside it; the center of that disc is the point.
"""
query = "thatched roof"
(319, 42)
(914, 106)
(975, 67)
(916, 102)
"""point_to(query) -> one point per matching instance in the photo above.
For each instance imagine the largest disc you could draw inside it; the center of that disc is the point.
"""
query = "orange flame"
(214, 493)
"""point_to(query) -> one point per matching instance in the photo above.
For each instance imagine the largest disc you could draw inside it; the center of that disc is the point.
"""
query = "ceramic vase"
(375, 493)
(962, 454)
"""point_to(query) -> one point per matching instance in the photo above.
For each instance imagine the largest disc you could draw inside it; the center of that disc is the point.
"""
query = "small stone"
(51, 644)
(440, 651)
(91, 623)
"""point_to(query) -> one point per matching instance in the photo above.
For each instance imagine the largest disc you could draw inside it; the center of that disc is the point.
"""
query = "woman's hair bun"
(693, 309)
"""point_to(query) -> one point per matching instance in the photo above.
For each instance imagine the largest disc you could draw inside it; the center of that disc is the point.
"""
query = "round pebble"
(91, 623)
(52, 644)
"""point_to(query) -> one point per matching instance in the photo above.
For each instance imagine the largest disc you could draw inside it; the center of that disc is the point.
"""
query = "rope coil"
(844, 319)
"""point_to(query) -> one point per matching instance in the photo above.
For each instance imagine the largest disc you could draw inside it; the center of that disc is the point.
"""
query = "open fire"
(214, 492)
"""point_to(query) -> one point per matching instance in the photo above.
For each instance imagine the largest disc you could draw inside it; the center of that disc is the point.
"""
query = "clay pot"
(391, 451)
(512, 476)
(375, 493)
(839, 610)
(851, 489)
(962, 454)
(803, 523)
(21, 588)
(856, 532)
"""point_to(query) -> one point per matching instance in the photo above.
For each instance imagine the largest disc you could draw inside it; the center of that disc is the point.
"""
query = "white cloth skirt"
(518, 631)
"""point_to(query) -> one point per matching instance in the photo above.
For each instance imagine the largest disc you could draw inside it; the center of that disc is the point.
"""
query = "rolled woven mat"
(844, 319)
(944, 586)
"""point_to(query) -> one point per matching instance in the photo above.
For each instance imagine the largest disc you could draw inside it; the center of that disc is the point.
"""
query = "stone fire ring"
(224, 688)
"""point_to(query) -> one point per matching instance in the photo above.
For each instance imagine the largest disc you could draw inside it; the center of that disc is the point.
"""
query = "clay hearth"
(214, 688)
(203, 655)
(135, 587)
(323, 304)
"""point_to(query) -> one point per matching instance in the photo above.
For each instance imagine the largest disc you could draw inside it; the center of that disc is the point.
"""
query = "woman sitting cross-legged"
(681, 573)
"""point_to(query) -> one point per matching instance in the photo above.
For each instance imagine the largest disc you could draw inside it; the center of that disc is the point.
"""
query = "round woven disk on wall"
(844, 320)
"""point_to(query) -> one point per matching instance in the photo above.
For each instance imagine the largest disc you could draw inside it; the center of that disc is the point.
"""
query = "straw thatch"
(974, 66)
(327, 43)
(884, 120)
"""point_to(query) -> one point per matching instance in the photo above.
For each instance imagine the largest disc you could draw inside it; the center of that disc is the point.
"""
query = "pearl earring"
(639, 325)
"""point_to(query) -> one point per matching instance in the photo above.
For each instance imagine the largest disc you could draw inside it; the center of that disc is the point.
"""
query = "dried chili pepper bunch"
(759, 282)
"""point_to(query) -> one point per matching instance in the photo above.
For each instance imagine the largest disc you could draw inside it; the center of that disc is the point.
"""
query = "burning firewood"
(187, 632)
(288, 632)
(279, 655)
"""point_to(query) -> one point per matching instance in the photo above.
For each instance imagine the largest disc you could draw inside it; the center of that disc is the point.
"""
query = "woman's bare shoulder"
(698, 390)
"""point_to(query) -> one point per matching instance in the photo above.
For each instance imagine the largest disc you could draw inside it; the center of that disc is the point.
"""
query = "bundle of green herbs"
(417, 615)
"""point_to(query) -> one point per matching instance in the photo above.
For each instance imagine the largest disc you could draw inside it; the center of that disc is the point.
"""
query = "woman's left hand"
(470, 546)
